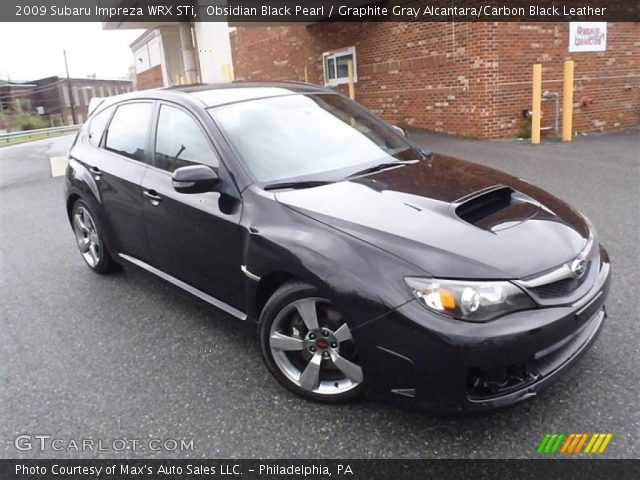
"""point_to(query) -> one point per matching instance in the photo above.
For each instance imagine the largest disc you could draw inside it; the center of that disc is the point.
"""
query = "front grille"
(560, 288)
(557, 289)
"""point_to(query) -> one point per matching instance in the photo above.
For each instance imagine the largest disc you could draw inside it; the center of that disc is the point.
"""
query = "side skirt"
(186, 287)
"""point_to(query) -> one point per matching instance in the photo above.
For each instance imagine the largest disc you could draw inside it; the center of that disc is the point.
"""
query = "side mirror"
(195, 179)
(399, 130)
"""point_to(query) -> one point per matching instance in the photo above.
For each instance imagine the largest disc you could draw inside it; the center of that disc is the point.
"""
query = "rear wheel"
(307, 345)
(89, 238)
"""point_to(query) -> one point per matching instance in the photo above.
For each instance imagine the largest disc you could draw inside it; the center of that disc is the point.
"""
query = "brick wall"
(471, 79)
(611, 79)
(151, 78)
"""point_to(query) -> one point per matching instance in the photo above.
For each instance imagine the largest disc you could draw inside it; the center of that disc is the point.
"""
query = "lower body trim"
(186, 287)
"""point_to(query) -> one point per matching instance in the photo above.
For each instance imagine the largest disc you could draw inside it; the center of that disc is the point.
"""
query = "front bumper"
(423, 359)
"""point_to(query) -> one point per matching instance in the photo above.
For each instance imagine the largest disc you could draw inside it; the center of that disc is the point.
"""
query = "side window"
(127, 132)
(181, 142)
(97, 126)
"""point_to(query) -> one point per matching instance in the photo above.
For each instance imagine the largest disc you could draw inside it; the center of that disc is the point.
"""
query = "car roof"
(213, 95)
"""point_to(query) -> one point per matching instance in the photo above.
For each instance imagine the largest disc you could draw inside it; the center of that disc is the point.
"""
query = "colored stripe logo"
(573, 443)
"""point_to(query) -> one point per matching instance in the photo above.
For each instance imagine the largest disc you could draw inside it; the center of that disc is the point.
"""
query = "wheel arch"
(268, 285)
(71, 200)
(338, 269)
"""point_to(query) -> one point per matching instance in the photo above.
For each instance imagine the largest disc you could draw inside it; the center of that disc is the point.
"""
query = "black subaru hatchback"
(365, 263)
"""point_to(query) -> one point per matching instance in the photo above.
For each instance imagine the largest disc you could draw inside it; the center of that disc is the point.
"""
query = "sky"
(29, 51)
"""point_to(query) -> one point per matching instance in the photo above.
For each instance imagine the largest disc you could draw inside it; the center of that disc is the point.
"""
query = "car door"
(118, 161)
(195, 238)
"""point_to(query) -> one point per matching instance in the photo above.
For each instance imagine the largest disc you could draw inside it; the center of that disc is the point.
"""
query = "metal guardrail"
(6, 137)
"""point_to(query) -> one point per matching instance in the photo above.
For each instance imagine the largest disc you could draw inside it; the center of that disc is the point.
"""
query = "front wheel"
(307, 345)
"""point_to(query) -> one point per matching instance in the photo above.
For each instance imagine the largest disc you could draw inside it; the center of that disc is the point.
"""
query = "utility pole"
(71, 101)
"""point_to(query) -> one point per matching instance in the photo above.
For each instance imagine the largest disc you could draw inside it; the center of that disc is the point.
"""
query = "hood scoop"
(497, 209)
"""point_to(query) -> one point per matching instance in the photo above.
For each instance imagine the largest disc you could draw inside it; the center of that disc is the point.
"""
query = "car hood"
(451, 218)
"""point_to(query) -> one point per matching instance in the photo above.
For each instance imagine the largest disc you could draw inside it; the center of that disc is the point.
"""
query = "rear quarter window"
(97, 124)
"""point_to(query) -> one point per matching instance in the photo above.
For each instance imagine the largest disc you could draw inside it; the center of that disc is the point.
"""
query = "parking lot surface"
(84, 356)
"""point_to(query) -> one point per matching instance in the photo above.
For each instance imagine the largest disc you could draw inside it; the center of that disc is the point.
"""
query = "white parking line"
(58, 165)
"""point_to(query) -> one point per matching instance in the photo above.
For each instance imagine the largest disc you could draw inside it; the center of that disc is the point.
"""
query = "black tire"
(280, 300)
(104, 262)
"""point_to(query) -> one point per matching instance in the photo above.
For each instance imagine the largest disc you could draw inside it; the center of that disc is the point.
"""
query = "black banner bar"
(318, 469)
(308, 11)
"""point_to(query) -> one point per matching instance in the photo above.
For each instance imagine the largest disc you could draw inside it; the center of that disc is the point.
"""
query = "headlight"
(470, 301)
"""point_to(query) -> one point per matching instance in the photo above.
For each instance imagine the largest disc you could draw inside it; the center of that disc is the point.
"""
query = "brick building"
(52, 97)
(471, 79)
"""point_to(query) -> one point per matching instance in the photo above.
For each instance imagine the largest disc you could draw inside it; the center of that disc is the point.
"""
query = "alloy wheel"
(312, 346)
(87, 236)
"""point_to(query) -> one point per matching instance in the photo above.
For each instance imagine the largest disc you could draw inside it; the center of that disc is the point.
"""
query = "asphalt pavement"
(84, 356)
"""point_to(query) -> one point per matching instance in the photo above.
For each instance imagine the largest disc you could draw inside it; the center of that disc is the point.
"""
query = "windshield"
(308, 137)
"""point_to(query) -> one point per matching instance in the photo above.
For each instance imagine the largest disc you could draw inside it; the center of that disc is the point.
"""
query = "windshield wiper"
(382, 166)
(298, 184)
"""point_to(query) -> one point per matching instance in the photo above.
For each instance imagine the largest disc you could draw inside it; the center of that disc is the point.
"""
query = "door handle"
(153, 196)
(96, 172)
